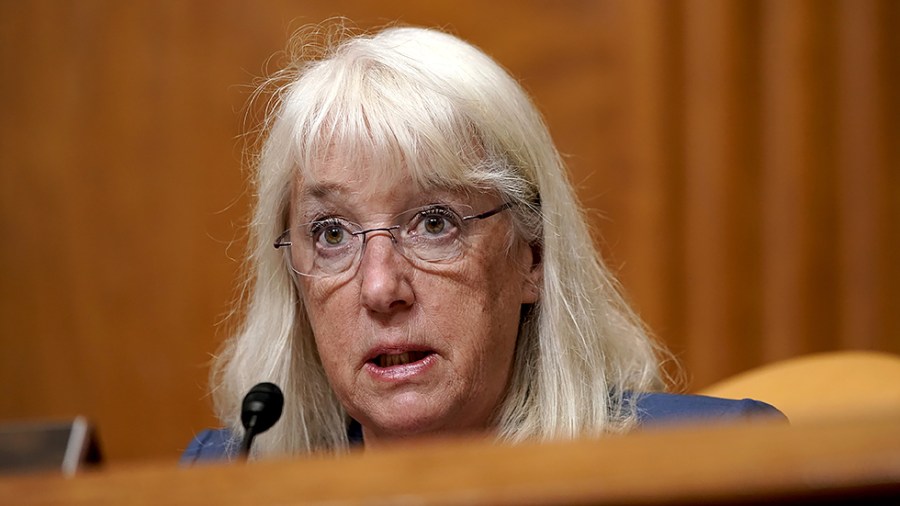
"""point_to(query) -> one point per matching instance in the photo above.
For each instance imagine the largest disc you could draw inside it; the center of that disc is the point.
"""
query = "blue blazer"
(653, 409)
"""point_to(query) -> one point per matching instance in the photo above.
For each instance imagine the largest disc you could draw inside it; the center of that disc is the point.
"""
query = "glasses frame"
(283, 241)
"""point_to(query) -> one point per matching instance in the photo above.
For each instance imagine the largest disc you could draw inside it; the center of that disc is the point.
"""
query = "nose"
(385, 276)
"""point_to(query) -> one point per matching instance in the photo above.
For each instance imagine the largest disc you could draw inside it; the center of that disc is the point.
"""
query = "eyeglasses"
(329, 246)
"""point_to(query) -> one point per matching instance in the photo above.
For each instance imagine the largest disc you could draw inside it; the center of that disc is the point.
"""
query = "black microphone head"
(262, 407)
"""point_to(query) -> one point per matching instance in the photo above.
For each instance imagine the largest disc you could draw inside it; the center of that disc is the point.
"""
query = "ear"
(534, 278)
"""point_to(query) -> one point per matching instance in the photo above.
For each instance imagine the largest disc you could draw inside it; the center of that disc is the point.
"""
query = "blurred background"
(739, 158)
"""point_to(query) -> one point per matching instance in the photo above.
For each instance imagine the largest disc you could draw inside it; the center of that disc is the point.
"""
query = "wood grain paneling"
(740, 159)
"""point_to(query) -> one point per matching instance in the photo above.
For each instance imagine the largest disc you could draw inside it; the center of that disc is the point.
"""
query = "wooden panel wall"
(741, 159)
(764, 217)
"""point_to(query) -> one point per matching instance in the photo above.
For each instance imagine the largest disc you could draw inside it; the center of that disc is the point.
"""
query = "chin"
(412, 414)
(399, 421)
(400, 424)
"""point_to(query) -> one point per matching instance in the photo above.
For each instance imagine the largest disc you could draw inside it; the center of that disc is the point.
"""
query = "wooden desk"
(838, 462)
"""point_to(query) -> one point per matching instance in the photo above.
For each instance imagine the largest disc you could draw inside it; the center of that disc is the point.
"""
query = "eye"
(434, 224)
(435, 221)
(333, 234)
(329, 233)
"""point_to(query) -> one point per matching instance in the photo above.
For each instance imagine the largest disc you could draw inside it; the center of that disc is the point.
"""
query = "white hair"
(428, 104)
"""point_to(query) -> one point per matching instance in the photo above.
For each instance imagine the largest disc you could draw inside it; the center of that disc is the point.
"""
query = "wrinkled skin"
(460, 319)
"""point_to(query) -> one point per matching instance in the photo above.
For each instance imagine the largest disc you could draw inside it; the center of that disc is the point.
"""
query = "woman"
(432, 271)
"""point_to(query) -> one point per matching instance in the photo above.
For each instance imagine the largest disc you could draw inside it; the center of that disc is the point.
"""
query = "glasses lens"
(433, 234)
(324, 248)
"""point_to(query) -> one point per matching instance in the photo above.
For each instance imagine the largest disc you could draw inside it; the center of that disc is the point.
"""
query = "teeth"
(400, 358)
(391, 360)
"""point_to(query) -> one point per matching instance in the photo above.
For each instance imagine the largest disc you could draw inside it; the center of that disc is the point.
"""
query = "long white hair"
(428, 104)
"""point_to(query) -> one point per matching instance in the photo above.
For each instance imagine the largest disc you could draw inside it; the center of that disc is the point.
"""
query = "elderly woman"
(432, 272)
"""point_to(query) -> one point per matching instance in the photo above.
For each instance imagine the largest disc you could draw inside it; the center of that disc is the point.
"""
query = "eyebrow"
(332, 196)
(329, 190)
(322, 190)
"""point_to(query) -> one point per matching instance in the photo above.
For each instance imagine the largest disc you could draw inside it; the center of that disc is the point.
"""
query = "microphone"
(260, 410)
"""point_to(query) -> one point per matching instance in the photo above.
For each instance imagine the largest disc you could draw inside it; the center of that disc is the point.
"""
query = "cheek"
(494, 308)
(331, 321)
(324, 308)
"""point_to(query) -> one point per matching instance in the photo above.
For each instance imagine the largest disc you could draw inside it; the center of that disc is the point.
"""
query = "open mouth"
(394, 359)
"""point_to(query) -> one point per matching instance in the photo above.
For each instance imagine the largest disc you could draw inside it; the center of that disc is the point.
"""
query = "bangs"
(384, 126)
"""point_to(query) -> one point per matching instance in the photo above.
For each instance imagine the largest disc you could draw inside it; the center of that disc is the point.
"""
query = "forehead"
(349, 176)
(362, 159)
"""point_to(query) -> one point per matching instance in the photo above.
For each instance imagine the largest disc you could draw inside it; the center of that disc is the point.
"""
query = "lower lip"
(398, 373)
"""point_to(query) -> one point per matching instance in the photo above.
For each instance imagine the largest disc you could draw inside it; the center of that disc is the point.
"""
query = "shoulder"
(661, 408)
(210, 445)
(653, 409)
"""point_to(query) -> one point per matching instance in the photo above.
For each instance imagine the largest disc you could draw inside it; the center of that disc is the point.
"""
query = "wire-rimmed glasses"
(329, 246)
